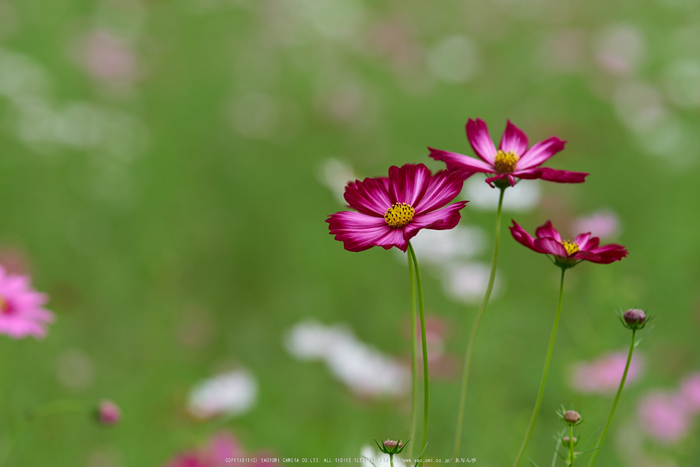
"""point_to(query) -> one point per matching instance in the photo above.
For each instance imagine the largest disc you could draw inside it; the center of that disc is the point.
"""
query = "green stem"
(391, 459)
(475, 326)
(51, 408)
(617, 399)
(544, 373)
(414, 360)
(426, 378)
(572, 458)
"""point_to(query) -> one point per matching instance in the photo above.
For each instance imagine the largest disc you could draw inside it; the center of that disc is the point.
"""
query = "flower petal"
(540, 152)
(456, 161)
(444, 186)
(359, 232)
(552, 175)
(513, 139)
(605, 254)
(522, 237)
(582, 240)
(551, 246)
(480, 139)
(369, 196)
(407, 184)
(546, 230)
(444, 219)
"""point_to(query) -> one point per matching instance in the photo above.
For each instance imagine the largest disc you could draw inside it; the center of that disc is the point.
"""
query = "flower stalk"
(548, 359)
(414, 359)
(475, 326)
(599, 444)
(426, 378)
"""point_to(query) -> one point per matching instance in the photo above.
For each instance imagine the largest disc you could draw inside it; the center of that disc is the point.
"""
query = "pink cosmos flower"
(221, 447)
(512, 160)
(664, 416)
(108, 413)
(604, 374)
(392, 210)
(21, 308)
(568, 253)
(690, 390)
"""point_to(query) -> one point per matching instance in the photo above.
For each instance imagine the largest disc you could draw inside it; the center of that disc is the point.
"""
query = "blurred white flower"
(619, 49)
(75, 369)
(438, 247)
(523, 197)
(231, 394)
(21, 76)
(467, 282)
(455, 59)
(602, 223)
(362, 368)
(335, 175)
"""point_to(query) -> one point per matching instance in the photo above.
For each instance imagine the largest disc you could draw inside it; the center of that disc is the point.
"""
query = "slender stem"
(475, 326)
(572, 458)
(617, 399)
(426, 378)
(544, 373)
(51, 408)
(414, 360)
(391, 459)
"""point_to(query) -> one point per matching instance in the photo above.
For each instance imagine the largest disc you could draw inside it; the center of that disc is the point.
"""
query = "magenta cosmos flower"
(21, 308)
(568, 253)
(392, 210)
(511, 160)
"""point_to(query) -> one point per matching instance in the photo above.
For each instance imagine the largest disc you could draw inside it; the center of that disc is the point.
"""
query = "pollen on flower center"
(505, 161)
(571, 247)
(399, 215)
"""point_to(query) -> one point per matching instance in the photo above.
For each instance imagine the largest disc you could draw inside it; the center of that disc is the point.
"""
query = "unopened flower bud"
(108, 413)
(572, 417)
(634, 318)
(391, 444)
(565, 440)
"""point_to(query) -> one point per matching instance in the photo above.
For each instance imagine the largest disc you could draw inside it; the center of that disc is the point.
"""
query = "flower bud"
(634, 319)
(572, 417)
(390, 446)
(565, 440)
(108, 413)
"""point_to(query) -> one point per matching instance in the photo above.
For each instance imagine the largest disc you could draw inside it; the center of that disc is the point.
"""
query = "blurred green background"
(164, 177)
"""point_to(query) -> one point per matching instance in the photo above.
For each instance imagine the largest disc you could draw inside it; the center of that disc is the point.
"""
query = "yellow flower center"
(505, 161)
(4, 306)
(571, 247)
(399, 215)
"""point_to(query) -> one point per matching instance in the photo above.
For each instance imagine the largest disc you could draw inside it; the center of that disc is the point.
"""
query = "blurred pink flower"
(221, 447)
(21, 308)
(442, 364)
(108, 413)
(602, 223)
(690, 391)
(604, 374)
(664, 416)
(108, 58)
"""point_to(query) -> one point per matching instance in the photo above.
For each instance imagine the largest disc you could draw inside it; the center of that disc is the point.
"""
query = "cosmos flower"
(392, 210)
(219, 449)
(108, 413)
(21, 308)
(567, 253)
(230, 394)
(512, 160)
(603, 375)
(664, 416)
